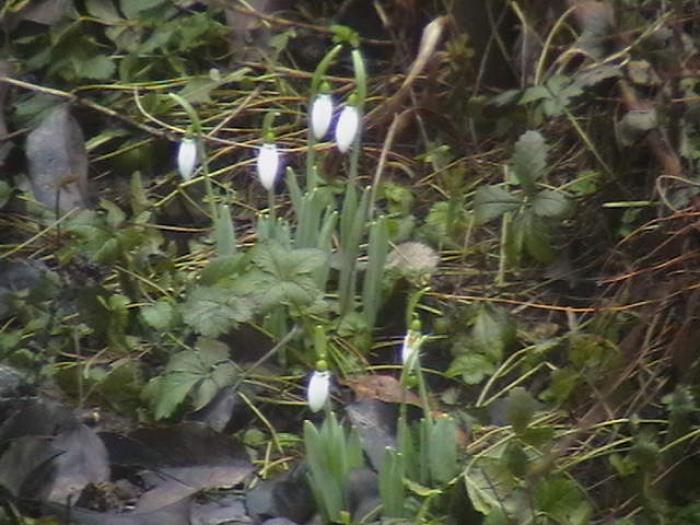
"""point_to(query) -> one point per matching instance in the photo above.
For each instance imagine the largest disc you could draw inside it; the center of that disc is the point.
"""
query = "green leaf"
(562, 499)
(105, 10)
(490, 202)
(220, 268)
(494, 332)
(530, 159)
(5, 193)
(198, 90)
(132, 8)
(491, 487)
(550, 203)
(536, 238)
(204, 371)
(97, 67)
(160, 315)
(521, 406)
(472, 367)
(212, 311)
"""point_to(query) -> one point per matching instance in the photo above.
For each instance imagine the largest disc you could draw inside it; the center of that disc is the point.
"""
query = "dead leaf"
(382, 387)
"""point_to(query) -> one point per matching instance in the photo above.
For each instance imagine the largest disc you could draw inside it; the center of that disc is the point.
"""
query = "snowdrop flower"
(346, 129)
(187, 157)
(268, 165)
(411, 345)
(319, 389)
(321, 115)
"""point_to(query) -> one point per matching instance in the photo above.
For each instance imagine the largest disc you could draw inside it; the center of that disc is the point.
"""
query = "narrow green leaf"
(224, 232)
(376, 260)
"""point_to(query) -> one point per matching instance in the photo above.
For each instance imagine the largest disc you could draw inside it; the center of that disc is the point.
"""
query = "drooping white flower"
(411, 345)
(187, 157)
(346, 129)
(268, 165)
(319, 389)
(321, 115)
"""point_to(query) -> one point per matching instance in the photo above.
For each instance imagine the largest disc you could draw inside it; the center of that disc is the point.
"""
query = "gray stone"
(57, 162)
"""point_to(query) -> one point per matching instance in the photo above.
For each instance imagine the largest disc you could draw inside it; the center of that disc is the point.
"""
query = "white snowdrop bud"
(411, 345)
(268, 165)
(346, 130)
(321, 115)
(187, 157)
(318, 389)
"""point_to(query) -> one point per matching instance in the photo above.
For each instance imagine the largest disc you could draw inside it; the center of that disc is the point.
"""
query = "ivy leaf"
(212, 311)
(490, 202)
(530, 159)
(550, 203)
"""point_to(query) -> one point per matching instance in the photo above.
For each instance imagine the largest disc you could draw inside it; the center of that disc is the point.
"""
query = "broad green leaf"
(160, 315)
(221, 268)
(473, 367)
(521, 406)
(198, 90)
(491, 487)
(550, 203)
(561, 499)
(212, 311)
(105, 10)
(443, 450)
(530, 159)
(536, 238)
(97, 67)
(490, 202)
(170, 392)
(132, 8)
(493, 333)
(534, 93)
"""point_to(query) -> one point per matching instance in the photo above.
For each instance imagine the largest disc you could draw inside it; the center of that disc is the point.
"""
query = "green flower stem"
(361, 94)
(201, 153)
(312, 176)
(271, 206)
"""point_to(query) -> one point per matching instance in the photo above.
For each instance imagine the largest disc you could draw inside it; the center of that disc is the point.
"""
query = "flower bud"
(321, 115)
(346, 129)
(268, 165)
(318, 389)
(411, 345)
(187, 157)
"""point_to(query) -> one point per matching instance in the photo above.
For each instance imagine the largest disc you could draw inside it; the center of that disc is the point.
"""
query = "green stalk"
(312, 176)
(201, 153)
(361, 94)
